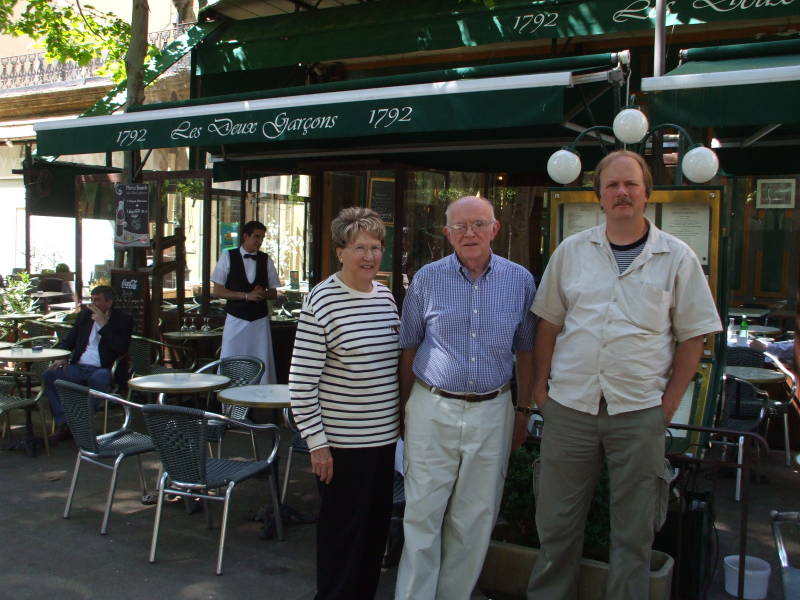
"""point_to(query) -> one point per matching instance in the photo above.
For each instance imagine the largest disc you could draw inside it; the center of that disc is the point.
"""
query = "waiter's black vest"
(237, 281)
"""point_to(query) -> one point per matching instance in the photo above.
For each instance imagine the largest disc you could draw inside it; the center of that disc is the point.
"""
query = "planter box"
(508, 566)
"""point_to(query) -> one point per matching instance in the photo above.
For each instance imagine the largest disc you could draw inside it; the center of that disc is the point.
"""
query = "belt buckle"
(471, 397)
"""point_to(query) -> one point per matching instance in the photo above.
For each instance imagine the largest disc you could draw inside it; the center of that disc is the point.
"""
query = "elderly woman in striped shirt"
(344, 392)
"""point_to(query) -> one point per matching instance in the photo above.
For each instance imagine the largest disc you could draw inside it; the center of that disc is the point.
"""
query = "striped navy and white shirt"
(343, 378)
(466, 331)
(627, 253)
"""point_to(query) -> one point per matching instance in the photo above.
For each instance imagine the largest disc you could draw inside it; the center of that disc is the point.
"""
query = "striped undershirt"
(343, 378)
(626, 254)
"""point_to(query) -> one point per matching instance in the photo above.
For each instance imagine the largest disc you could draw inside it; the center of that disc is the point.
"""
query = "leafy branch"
(69, 31)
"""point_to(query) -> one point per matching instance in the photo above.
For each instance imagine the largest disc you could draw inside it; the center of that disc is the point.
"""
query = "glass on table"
(206, 324)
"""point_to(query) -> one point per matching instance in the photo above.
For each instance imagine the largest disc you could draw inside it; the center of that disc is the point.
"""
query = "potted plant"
(514, 547)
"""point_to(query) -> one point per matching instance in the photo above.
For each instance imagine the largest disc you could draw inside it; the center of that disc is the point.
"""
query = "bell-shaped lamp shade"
(700, 164)
(630, 125)
(564, 166)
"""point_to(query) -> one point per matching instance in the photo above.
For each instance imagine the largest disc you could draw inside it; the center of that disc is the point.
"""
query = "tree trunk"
(185, 10)
(134, 59)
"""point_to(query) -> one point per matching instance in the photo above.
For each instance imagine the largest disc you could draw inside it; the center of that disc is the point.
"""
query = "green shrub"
(62, 268)
(518, 507)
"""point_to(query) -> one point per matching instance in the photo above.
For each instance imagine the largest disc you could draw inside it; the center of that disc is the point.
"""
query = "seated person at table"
(100, 336)
(783, 351)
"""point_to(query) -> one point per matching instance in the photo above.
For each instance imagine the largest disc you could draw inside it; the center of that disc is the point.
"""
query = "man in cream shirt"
(623, 310)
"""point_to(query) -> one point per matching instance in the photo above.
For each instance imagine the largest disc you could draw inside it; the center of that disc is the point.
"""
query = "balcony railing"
(30, 70)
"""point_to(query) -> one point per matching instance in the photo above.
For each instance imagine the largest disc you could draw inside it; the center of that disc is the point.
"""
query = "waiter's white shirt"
(241, 337)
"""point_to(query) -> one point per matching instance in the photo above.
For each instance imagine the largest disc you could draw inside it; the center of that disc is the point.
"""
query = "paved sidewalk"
(44, 555)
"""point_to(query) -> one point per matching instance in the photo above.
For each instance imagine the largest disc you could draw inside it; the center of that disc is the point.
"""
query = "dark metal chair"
(297, 444)
(790, 576)
(146, 357)
(744, 409)
(16, 388)
(777, 409)
(242, 370)
(741, 356)
(79, 408)
(179, 435)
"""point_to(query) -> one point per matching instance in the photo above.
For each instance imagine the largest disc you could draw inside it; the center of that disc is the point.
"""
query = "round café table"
(27, 355)
(193, 336)
(178, 383)
(755, 374)
(268, 396)
(257, 396)
(17, 318)
(4, 345)
(763, 330)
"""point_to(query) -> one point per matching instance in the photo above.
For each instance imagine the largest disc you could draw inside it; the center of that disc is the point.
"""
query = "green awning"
(735, 85)
(393, 27)
(497, 97)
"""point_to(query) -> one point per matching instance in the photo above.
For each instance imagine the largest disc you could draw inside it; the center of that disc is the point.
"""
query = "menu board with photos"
(132, 296)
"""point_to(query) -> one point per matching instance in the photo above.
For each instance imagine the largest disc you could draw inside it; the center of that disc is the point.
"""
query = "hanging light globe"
(630, 125)
(700, 164)
(564, 166)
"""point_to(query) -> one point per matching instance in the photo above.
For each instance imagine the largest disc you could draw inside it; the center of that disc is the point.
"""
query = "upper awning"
(497, 97)
(743, 84)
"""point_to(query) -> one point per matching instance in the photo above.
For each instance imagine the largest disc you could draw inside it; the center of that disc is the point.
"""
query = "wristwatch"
(525, 410)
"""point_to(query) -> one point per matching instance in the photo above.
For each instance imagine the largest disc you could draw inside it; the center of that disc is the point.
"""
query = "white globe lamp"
(564, 166)
(700, 164)
(630, 125)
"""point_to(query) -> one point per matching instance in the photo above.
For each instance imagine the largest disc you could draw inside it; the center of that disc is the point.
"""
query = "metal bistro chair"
(777, 409)
(242, 370)
(780, 408)
(790, 576)
(145, 357)
(179, 435)
(297, 444)
(79, 408)
(15, 391)
(744, 410)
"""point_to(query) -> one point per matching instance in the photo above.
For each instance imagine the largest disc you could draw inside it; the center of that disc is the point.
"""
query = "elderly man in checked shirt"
(463, 318)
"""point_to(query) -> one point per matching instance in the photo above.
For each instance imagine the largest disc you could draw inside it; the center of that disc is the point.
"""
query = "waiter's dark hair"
(103, 290)
(252, 226)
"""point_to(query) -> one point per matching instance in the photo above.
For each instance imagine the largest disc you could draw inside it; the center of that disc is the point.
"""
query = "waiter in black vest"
(247, 278)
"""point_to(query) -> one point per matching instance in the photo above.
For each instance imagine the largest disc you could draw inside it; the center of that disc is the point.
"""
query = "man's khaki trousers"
(456, 455)
(574, 445)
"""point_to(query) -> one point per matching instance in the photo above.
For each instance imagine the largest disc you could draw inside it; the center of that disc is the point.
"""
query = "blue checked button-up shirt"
(466, 331)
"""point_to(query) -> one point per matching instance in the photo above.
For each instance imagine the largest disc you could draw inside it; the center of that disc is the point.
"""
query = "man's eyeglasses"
(476, 226)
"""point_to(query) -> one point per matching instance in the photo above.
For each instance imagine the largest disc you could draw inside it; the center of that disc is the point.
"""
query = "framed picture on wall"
(775, 193)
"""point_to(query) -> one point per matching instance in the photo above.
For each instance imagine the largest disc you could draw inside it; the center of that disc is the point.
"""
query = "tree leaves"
(71, 31)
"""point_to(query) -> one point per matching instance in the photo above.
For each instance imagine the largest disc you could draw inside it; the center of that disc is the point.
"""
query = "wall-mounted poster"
(132, 215)
(775, 193)
(690, 223)
(381, 198)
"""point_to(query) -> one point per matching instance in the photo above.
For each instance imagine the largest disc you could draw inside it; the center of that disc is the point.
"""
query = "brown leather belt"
(465, 397)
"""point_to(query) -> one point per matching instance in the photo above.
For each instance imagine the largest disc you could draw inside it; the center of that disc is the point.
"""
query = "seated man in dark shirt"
(100, 336)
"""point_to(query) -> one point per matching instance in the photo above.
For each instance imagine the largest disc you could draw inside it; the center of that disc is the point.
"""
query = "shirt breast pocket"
(648, 306)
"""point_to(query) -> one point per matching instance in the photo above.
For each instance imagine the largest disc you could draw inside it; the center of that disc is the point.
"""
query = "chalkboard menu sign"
(381, 198)
(132, 295)
(132, 215)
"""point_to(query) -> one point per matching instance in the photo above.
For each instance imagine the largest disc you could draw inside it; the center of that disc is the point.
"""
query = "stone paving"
(45, 555)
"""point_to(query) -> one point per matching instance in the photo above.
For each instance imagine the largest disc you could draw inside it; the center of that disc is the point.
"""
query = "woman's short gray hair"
(351, 220)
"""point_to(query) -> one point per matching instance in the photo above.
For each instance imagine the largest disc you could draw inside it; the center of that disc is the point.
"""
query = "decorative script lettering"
(729, 5)
(282, 123)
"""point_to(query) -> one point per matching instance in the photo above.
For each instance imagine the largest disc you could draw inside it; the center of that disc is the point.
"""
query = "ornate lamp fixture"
(699, 164)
